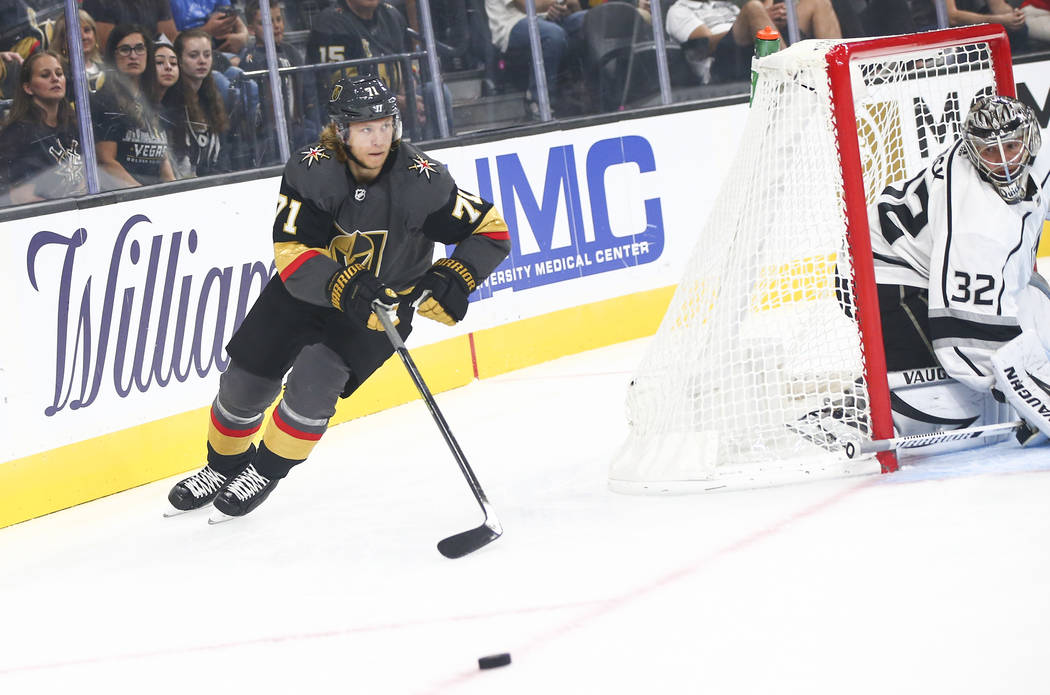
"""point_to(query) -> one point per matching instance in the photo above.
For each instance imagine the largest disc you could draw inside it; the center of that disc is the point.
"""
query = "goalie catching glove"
(443, 291)
(352, 291)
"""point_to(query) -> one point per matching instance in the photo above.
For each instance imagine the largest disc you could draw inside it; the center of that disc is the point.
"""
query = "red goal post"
(858, 232)
(770, 355)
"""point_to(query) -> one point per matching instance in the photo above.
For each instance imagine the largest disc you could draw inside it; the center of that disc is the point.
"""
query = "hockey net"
(770, 356)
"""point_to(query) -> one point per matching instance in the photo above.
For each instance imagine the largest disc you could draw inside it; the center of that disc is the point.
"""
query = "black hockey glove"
(352, 291)
(442, 293)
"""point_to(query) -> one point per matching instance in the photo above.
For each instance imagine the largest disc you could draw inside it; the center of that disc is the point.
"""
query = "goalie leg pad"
(927, 400)
(1022, 374)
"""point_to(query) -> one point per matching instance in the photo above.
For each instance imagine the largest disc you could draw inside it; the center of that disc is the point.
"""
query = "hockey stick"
(914, 441)
(468, 541)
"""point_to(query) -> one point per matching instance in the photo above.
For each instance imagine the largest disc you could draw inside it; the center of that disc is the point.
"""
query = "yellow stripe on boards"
(76, 473)
(83, 471)
(569, 331)
(445, 365)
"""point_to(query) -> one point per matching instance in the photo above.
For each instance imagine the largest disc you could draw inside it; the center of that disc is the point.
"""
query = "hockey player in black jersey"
(358, 216)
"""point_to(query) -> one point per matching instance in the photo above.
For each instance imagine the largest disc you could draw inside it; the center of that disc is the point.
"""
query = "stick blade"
(467, 542)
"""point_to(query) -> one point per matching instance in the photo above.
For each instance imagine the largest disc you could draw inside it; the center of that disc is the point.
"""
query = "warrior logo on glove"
(443, 291)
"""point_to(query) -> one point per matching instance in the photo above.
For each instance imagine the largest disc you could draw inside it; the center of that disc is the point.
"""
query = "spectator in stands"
(298, 91)
(23, 33)
(39, 144)
(366, 29)
(729, 31)
(560, 25)
(22, 38)
(166, 63)
(1037, 17)
(166, 66)
(170, 109)
(724, 33)
(961, 12)
(229, 36)
(130, 145)
(94, 66)
(217, 17)
(201, 119)
(154, 15)
(816, 18)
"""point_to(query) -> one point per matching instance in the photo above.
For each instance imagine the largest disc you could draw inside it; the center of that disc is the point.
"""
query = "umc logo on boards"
(566, 223)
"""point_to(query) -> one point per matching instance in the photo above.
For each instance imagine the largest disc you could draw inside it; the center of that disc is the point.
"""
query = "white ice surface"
(935, 579)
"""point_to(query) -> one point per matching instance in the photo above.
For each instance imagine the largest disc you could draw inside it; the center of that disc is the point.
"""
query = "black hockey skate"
(200, 488)
(242, 494)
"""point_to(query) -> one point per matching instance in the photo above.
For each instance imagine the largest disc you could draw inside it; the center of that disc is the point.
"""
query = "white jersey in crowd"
(947, 230)
(502, 15)
(685, 16)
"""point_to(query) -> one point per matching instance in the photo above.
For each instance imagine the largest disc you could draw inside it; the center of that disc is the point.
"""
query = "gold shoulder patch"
(314, 153)
(421, 166)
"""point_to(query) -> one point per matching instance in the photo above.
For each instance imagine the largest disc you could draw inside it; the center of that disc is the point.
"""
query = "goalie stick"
(914, 441)
(468, 541)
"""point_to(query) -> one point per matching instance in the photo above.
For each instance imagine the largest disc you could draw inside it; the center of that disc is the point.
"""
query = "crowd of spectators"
(179, 88)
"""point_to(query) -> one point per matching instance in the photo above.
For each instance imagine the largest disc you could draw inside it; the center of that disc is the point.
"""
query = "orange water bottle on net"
(767, 41)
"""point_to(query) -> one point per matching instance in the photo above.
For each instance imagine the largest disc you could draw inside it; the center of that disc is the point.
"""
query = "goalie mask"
(1001, 137)
(358, 99)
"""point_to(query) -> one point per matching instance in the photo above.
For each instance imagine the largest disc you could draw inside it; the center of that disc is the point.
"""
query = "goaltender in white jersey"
(954, 251)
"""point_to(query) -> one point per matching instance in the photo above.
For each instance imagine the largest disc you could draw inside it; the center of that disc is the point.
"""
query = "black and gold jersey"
(338, 34)
(46, 157)
(326, 220)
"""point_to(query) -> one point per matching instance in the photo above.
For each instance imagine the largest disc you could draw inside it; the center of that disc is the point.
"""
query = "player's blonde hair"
(330, 139)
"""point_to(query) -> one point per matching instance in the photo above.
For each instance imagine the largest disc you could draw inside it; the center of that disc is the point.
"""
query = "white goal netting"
(757, 373)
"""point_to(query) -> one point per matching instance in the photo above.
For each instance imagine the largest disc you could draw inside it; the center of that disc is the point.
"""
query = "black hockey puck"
(494, 660)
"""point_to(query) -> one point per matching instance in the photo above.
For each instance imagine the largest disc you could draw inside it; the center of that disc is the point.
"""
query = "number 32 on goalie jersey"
(978, 289)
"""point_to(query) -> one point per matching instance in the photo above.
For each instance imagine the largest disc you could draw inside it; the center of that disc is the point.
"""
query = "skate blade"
(172, 511)
(218, 517)
(178, 512)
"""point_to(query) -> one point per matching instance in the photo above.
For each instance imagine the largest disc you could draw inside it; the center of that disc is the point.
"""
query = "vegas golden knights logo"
(365, 248)
(336, 91)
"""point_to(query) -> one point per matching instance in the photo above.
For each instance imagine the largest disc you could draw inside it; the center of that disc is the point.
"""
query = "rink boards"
(117, 315)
